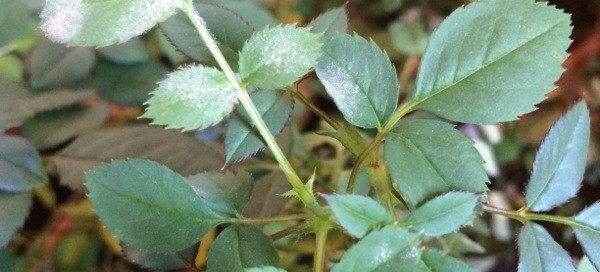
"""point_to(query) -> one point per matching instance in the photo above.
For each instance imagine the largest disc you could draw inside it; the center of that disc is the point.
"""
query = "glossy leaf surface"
(225, 193)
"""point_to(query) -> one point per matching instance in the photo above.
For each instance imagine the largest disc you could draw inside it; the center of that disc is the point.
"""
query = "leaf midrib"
(434, 93)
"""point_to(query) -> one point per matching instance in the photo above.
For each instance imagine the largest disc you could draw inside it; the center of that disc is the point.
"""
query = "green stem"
(322, 229)
(523, 217)
(291, 230)
(303, 193)
(265, 220)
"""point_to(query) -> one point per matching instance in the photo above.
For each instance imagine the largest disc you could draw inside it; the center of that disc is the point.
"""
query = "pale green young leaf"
(426, 157)
(194, 97)
(434, 261)
(239, 247)
(278, 56)
(409, 38)
(225, 193)
(242, 139)
(54, 64)
(560, 161)
(331, 22)
(388, 249)
(148, 206)
(177, 151)
(104, 22)
(587, 231)
(538, 252)
(11, 67)
(51, 128)
(484, 64)
(21, 167)
(128, 85)
(14, 211)
(360, 78)
(358, 214)
(129, 52)
(444, 214)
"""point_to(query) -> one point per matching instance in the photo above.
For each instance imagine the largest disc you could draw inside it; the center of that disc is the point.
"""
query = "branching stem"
(523, 216)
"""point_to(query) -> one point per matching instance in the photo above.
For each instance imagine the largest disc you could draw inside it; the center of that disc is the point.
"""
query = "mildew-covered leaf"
(102, 23)
(332, 22)
(194, 97)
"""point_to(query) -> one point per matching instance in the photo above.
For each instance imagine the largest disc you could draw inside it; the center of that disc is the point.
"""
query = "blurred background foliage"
(51, 94)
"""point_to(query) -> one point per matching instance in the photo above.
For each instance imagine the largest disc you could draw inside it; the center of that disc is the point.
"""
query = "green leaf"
(409, 38)
(560, 161)
(331, 22)
(264, 269)
(389, 249)
(426, 157)
(194, 97)
(15, 21)
(242, 139)
(538, 252)
(358, 214)
(166, 261)
(434, 261)
(484, 65)
(102, 23)
(128, 52)
(225, 193)
(15, 209)
(11, 67)
(52, 128)
(278, 56)
(585, 265)
(266, 199)
(18, 108)
(128, 85)
(360, 78)
(239, 247)
(54, 64)
(587, 231)
(229, 28)
(21, 167)
(175, 150)
(148, 206)
(7, 259)
(444, 214)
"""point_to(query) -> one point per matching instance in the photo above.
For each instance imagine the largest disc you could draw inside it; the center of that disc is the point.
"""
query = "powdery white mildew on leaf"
(102, 22)
(194, 97)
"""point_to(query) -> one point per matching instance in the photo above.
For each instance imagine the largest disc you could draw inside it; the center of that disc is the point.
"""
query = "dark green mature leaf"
(264, 269)
(560, 161)
(538, 252)
(225, 193)
(358, 214)
(242, 139)
(7, 259)
(266, 199)
(15, 209)
(154, 260)
(148, 206)
(360, 78)
(239, 247)
(389, 249)
(433, 261)
(21, 167)
(484, 64)
(128, 85)
(587, 231)
(18, 108)
(278, 56)
(444, 214)
(54, 64)
(102, 23)
(427, 157)
(331, 22)
(230, 28)
(128, 52)
(194, 97)
(175, 150)
(52, 128)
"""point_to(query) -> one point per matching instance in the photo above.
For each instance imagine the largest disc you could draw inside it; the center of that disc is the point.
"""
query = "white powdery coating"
(62, 19)
(135, 21)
